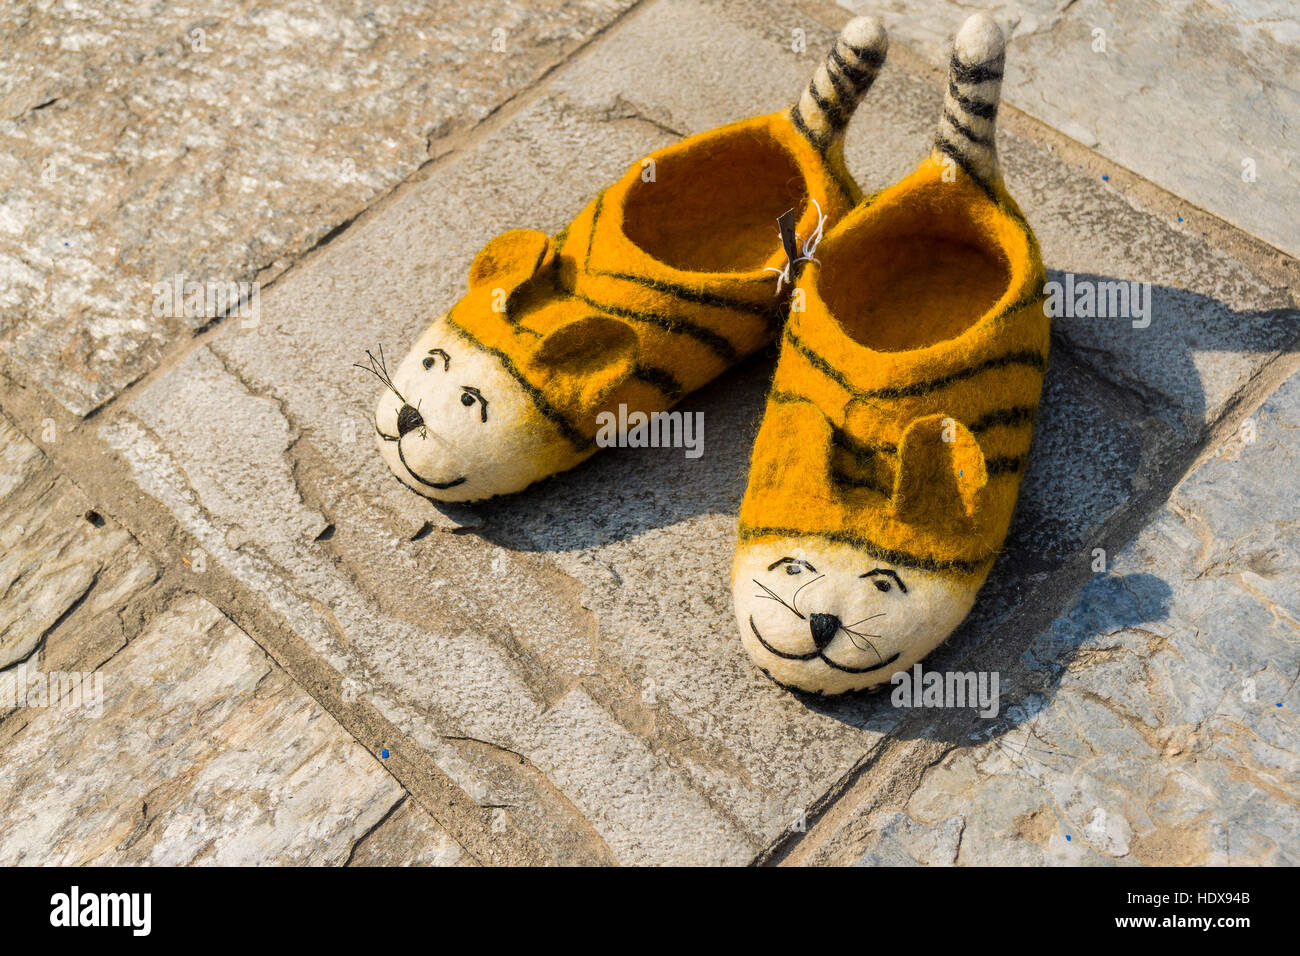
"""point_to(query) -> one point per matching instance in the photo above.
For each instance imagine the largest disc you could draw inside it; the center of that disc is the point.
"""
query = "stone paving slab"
(569, 656)
(68, 576)
(218, 142)
(1154, 722)
(201, 750)
(1181, 93)
(408, 837)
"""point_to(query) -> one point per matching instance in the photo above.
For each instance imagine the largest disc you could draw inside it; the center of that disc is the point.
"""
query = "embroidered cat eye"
(879, 574)
(470, 395)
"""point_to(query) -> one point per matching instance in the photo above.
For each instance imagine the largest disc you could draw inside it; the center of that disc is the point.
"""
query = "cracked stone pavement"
(303, 663)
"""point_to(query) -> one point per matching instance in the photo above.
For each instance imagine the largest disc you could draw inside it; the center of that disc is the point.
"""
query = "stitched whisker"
(380, 371)
(864, 620)
(381, 365)
(773, 595)
(795, 598)
(373, 371)
(425, 430)
(856, 634)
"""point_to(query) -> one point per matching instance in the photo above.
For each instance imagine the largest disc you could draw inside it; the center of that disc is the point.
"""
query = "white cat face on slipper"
(818, 615)
(449, 422)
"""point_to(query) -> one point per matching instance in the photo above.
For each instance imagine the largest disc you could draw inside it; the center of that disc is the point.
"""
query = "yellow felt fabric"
(510, 258)
(941, 467)
(676, 260)
(903, 402)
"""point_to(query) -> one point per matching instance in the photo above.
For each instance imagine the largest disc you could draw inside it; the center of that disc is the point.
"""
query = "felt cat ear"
(970, 107)
(941, 472)
(826, 106)
(588, 358)
(510, 258)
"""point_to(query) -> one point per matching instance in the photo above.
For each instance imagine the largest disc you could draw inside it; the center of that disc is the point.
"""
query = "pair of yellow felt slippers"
(913, 347)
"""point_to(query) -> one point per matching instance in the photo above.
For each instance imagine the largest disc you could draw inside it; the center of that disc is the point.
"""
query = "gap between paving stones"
(79, 455)
(448, 146)
(438, 793)
(78, 452)
(885, 777)
(1262, 258)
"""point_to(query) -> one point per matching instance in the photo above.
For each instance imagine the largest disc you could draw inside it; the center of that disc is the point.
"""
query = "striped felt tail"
(970, 107)
(823, 112)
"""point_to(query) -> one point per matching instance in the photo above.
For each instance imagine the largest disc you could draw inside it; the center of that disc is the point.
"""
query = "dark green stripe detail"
(903, 558)
(1012, 417)
(662, 380)
(977, 72)
(819, 363)
(1006, 465)
(950, 150)
(591, 236)
(796, 117)
(860, 77)
(1027, 358)
(716, 343)
(1030, 298)
(1015, 416)
(579, 441)
(873, 57)
(834, 115)
(846, 481)
(859, 449)
(973, 106)
(966, 131)
(1008, 210)
(844, 91)
(767, 311)
(842, 179)
(782, 397)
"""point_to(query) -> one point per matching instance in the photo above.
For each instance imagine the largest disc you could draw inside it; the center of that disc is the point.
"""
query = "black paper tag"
(785, 222)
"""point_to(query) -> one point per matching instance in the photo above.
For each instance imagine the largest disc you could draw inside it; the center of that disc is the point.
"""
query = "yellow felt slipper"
(667, 278)
(896, 432)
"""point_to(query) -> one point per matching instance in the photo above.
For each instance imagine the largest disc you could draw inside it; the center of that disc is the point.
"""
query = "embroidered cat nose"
(408, 419)
(823, 627)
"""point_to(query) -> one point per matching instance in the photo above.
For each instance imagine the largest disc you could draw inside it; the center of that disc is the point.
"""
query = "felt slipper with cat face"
(896, 432)
(668, 277)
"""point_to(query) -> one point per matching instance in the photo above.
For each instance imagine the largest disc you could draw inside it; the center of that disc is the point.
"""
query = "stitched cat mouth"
(818, 654)
(440, 485)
